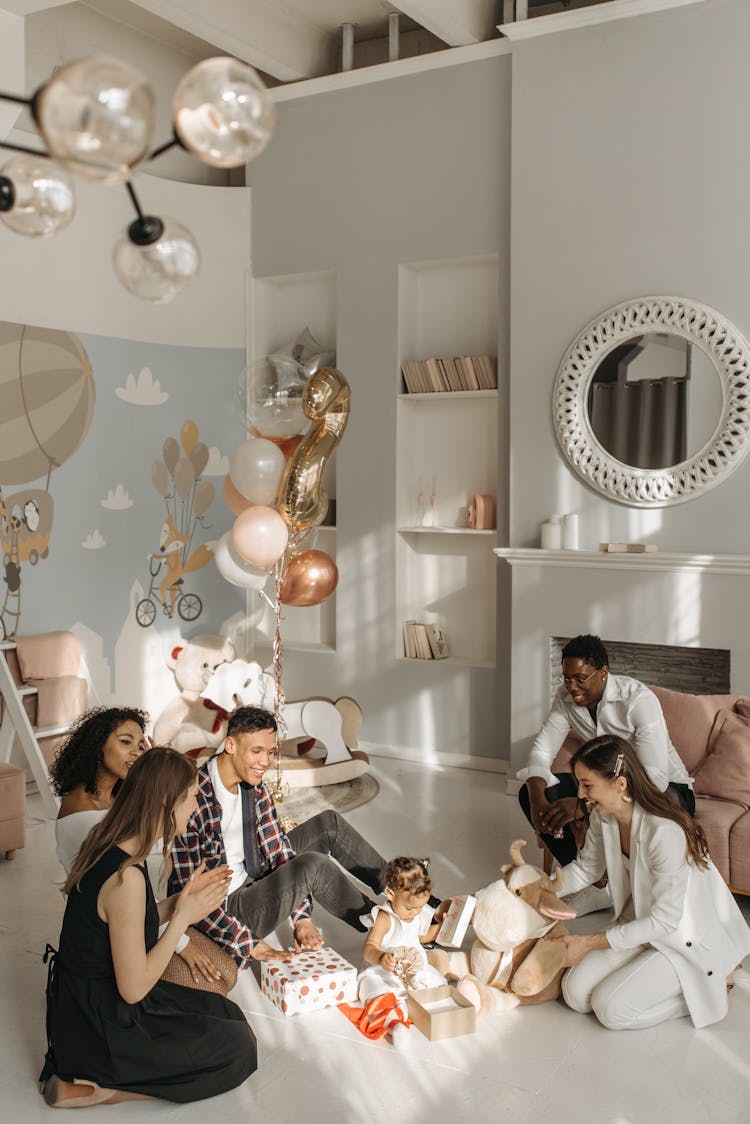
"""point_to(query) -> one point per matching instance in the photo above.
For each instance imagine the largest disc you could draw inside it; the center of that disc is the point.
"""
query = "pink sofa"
(711, 733)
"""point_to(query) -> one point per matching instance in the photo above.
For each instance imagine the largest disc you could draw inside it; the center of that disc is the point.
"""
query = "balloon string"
(277, 786)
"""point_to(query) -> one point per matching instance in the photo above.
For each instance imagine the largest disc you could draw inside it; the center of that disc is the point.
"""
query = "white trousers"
(625, 990)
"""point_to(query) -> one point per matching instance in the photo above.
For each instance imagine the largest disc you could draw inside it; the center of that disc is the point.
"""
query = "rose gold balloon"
(309, 578)
(234, 500)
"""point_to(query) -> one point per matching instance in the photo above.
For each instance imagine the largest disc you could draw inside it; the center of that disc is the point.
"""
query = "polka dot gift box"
(309, 982)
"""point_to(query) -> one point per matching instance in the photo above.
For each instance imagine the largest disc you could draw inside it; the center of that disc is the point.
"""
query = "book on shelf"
(424, 641)
(449, 373)
(437, 641)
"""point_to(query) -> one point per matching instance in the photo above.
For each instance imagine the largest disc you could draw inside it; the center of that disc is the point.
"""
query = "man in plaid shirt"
(274, 876)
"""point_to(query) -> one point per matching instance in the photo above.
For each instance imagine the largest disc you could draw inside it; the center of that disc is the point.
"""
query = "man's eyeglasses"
(577, 680)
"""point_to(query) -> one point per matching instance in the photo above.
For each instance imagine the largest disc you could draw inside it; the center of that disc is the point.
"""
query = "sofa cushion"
(739, 861)
(690, 719)
(725, 772)
(718, 818)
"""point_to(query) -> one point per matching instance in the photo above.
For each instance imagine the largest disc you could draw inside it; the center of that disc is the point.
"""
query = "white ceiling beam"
(458, 25)
(28, 7)
(260, 32)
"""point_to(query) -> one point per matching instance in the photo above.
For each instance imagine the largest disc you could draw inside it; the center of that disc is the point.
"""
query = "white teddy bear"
(189, 721)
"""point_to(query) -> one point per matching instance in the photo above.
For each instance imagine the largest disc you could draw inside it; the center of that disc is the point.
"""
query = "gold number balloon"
(326, 401)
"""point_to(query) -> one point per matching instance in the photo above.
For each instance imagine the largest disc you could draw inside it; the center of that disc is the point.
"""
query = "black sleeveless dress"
(176, 1043)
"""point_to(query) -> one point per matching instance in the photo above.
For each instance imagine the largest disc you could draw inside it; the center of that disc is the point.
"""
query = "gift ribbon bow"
(377, 1016)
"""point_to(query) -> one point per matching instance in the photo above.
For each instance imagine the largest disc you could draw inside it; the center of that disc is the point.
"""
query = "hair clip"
(425, 863)
(619, 764)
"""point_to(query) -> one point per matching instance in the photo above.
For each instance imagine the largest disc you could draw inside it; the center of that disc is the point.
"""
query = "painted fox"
(171, 547)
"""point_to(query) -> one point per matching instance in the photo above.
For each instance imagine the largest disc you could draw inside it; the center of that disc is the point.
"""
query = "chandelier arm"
(175, 141)
(23, 148)
(15, 98)
(134, 199)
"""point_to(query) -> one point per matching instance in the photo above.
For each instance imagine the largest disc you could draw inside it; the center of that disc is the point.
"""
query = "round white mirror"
(652, 401)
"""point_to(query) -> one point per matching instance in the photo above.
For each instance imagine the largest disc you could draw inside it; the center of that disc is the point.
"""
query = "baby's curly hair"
(80, 757)
(408, 874)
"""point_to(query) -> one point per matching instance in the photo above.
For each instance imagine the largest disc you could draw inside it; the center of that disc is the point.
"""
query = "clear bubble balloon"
(269, 398)
(158, 271)
(39, 199)
(97, 116)
(223, 113)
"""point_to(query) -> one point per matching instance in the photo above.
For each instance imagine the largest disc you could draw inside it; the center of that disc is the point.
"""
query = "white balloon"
(255, 468)
(234, 569)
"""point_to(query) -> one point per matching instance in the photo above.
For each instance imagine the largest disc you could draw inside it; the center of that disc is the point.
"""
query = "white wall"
(357, 181)
(68, 281)
(629, 178)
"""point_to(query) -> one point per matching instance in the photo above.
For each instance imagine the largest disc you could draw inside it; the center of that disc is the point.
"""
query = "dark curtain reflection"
(642, 423)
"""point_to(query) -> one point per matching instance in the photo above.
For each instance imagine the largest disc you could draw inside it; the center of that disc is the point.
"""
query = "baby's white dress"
(375, 980)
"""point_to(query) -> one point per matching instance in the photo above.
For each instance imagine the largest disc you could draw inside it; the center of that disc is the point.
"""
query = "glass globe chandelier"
(97, 117)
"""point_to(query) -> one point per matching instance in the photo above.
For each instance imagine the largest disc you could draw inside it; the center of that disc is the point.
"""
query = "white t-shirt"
(231, 826)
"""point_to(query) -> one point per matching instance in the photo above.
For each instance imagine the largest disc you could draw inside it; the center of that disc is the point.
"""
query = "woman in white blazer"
(678, 931)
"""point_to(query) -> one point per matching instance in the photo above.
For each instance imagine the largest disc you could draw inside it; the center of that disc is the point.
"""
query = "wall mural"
(46, 406)
(177, 478)
(112, 525)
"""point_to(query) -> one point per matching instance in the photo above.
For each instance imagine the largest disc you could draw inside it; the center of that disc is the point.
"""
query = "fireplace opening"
(698, 671)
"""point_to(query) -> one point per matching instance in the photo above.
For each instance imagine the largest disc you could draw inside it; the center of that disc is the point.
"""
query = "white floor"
(534, 1064)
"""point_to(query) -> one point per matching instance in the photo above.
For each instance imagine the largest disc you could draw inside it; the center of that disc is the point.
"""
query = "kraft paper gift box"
(456, 921)
(441, 1012)
(309, 982)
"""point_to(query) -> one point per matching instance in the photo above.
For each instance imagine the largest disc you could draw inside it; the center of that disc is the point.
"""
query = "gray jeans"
(265, 903)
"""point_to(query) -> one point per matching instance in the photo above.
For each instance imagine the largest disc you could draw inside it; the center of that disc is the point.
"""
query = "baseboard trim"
(435, 759)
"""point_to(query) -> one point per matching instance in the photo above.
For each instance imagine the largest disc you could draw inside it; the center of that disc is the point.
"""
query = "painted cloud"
(94, 541)
(217, 465)
(117, 500)
(143, 391)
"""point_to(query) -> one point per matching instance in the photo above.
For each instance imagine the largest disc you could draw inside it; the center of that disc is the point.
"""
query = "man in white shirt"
(591, 702)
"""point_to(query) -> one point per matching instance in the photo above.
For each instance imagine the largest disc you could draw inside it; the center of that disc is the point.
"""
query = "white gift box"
(309, 982)
(456, 921)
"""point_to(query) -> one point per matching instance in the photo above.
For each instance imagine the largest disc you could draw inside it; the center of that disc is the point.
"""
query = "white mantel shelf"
(738, 564)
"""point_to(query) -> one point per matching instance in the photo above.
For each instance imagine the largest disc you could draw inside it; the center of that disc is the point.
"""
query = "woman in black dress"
(115, 1031)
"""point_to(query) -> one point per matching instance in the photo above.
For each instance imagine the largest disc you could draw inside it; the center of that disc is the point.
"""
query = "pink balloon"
(260, 536)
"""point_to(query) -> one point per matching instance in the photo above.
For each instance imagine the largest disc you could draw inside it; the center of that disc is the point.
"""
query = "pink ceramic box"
(309, 982)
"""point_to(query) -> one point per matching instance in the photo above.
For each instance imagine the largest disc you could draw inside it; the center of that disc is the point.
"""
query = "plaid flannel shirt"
(203, 841)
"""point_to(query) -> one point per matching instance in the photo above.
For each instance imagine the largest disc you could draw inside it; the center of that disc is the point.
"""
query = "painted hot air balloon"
(47, 396)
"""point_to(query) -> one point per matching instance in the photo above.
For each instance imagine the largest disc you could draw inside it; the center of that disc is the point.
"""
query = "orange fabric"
(376, 1017)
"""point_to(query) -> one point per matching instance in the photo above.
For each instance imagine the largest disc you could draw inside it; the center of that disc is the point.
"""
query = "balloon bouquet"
(274, 486)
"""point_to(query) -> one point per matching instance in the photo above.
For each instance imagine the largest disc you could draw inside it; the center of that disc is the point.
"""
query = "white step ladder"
(16, 724)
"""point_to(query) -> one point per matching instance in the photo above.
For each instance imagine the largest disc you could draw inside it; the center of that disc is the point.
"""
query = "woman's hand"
(203, 892)
(577, 946)
(199, 964)
(387, 961)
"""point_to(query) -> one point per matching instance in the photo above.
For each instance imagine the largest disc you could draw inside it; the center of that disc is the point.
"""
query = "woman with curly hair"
(87, 773)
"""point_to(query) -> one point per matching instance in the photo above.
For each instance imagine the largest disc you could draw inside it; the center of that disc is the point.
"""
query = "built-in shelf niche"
(279, 309)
